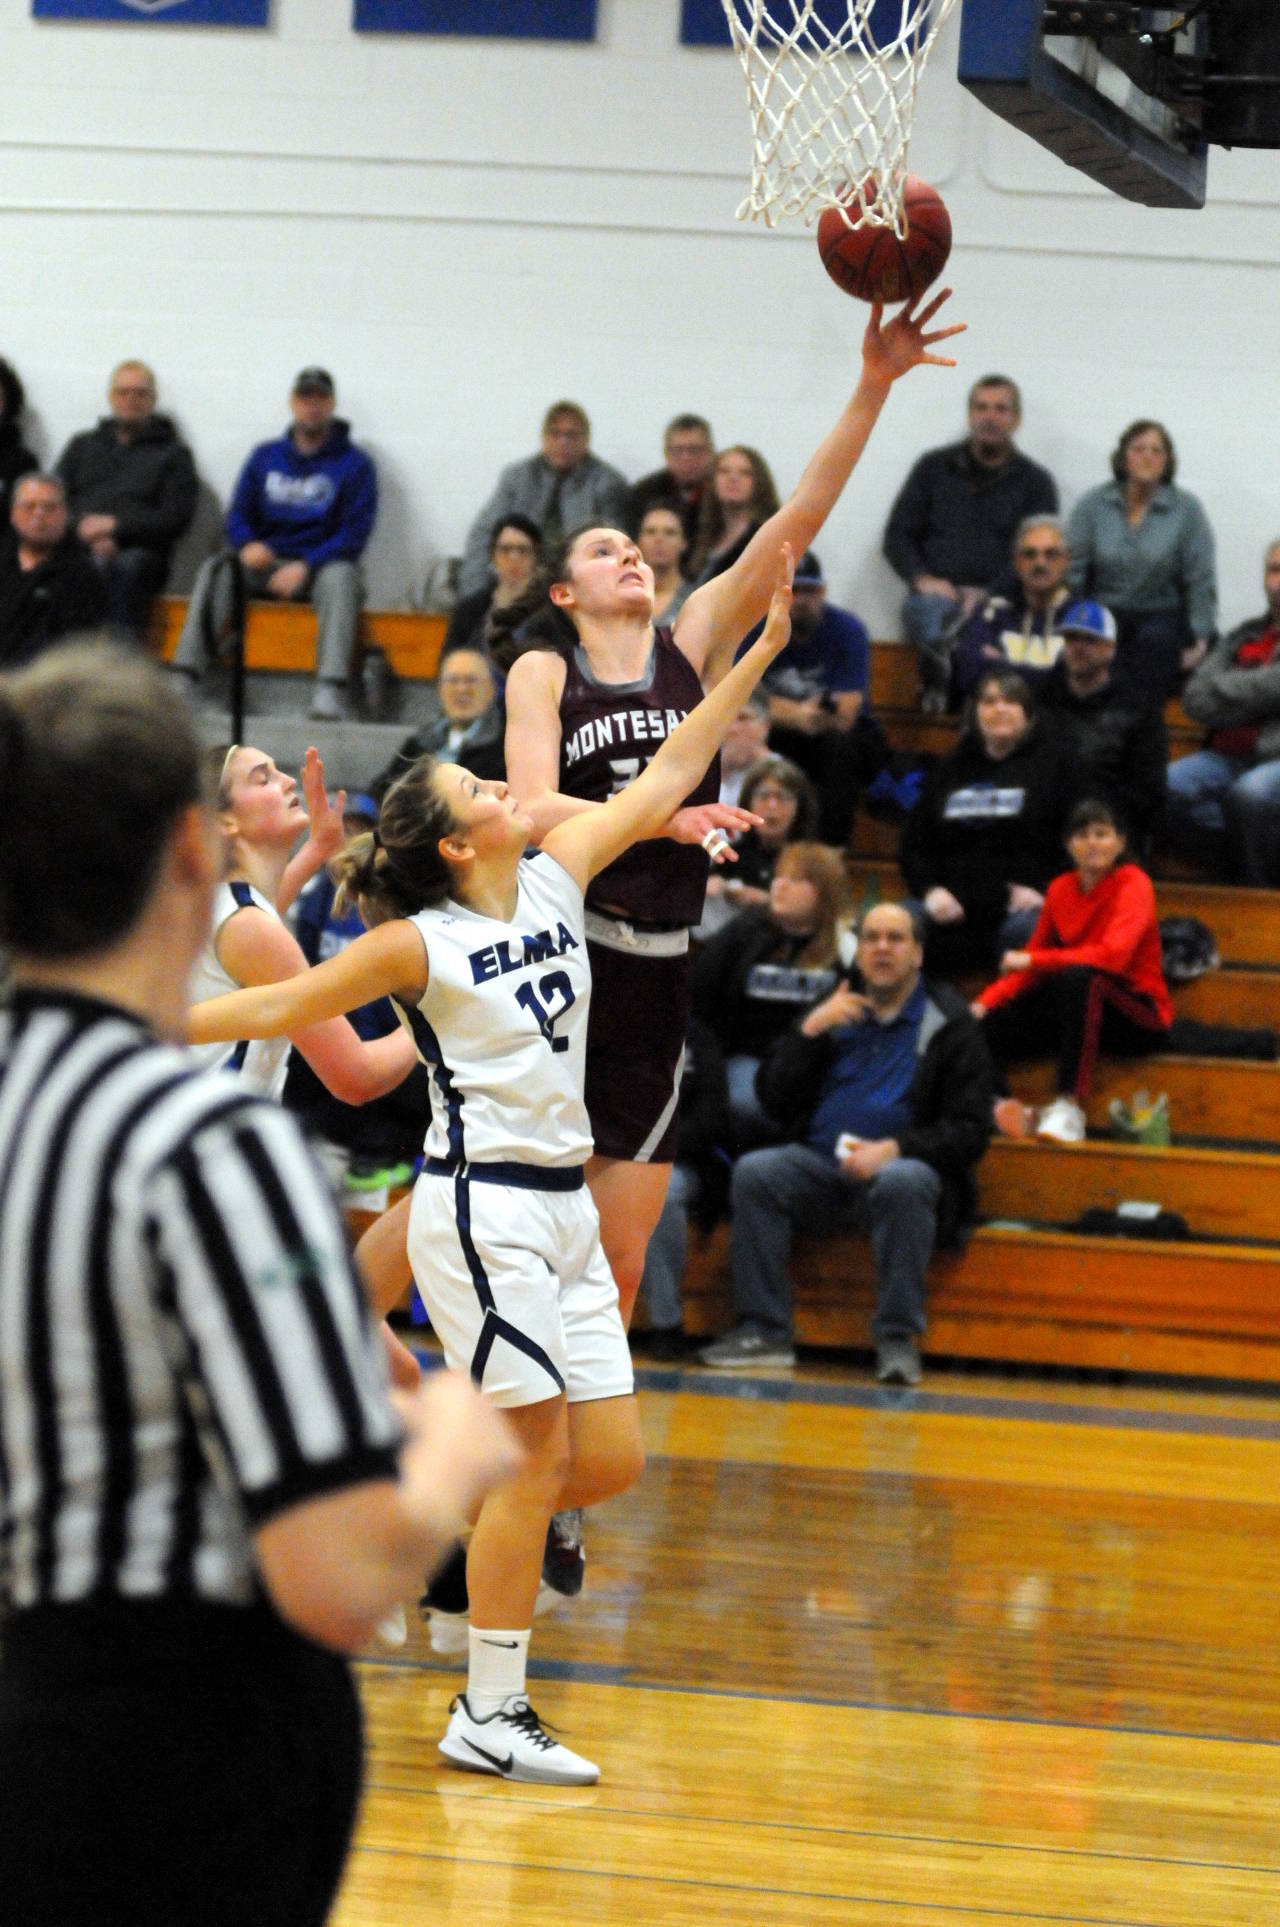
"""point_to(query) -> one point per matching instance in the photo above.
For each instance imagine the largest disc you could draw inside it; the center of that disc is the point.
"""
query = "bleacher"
(1024, 1289)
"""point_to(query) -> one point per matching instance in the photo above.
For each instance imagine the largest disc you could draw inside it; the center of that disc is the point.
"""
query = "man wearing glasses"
(560, 488)
(469, 728)
(1018, 625)
(131, 493)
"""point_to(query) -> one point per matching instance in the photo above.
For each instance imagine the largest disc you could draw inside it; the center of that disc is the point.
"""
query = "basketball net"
(831, 109)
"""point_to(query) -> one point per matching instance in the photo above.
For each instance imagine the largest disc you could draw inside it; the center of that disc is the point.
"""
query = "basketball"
(872, 263)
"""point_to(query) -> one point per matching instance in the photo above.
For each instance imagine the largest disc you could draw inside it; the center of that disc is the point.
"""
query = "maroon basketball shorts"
(640, 995)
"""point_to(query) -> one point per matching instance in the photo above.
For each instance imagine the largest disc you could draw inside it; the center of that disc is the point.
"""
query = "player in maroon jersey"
(584, 720)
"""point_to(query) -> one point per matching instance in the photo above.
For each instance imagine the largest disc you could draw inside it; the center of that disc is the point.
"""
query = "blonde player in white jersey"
(483, 948)
(261, 815)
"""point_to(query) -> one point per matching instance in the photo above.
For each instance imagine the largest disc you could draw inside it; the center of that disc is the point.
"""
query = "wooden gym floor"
(999, 1651)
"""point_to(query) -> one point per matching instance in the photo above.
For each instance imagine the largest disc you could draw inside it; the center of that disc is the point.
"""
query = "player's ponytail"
(397, 869)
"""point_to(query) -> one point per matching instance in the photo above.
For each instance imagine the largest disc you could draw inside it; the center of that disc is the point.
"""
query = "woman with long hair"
(484, 949)
(260, 816)
(786, 808)
(768, 967)
(742, 497)
(586, 707)
(985, 834)
(206, 1497)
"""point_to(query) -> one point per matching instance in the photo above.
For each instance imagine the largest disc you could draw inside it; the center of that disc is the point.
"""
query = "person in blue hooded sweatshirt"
(300, 519)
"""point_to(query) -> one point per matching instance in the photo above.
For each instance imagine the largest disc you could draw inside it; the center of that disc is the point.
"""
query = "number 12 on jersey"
(548, 1004)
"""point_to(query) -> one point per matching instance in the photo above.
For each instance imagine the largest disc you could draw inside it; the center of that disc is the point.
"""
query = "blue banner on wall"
(186, 13)
(703, 23)
(506, 19)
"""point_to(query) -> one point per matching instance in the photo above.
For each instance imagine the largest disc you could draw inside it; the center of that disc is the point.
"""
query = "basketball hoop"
(831, 108)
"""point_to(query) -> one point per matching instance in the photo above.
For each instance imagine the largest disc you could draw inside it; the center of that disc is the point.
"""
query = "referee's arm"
(284, 1374)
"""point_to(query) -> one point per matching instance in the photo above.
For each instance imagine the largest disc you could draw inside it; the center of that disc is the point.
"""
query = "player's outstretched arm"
(716, 617)
(585, 844)
(387, 962)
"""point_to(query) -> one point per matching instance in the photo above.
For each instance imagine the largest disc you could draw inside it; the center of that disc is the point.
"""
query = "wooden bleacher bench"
(282, 636)
(1042, 1298)
(1209, 1097)
(1037, 1296)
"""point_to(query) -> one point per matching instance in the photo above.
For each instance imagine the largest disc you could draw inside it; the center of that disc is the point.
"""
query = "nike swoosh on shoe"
(494, 1759)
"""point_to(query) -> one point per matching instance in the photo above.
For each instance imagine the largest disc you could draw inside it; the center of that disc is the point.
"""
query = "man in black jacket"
(889, 1093)
(48, 584)
(952, 526)
(1112, 735)
(131, 490)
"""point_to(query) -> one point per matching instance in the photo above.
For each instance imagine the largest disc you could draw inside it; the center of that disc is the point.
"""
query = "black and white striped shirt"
(184, 1347)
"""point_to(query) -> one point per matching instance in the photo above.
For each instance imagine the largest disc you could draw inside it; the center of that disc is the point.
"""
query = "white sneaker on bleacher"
(1063, 1121)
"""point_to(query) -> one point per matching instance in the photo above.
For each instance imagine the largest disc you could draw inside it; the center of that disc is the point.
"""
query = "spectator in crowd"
(48, 583)
(766, 969)
(1113, 737)
(818, 692)
(1144, 548)
(301, 517)
(662, 542)
(697, 1182)
(469, 729)
(131, 492)
(515, 550)
(741, 498)
(787, 804)
(1224, 801)
(1017, 624)
(16, 459)
(1089, 979)
(559, 488)
(690, 452)
(952, 526)
(743, 748)
(985, 837)
(888, 1096)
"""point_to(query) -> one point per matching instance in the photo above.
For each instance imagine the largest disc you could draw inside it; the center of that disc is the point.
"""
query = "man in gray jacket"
(560, 488)
(1224, 801)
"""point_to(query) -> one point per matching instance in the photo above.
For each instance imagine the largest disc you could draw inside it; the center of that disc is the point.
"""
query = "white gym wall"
(465, 230)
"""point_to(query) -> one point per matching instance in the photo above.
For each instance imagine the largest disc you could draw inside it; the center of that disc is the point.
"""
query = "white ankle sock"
(496, 1668)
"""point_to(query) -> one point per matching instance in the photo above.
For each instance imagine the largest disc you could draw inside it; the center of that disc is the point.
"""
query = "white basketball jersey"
(503, 1025)
(261, 1064)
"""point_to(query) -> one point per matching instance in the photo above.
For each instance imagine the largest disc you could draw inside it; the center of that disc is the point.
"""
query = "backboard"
(1132, 95)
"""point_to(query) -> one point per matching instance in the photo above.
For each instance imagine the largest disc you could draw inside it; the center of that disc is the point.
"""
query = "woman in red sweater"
(1090, 977)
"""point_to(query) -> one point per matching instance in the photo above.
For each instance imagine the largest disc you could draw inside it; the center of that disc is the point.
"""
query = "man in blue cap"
(1116, 739)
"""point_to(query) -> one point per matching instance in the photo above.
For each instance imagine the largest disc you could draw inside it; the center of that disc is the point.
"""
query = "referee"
(205, 1496)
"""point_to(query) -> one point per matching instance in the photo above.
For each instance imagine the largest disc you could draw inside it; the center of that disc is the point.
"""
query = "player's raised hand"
(776, 633)
(711, 825)
(892, 348)
(328, 833)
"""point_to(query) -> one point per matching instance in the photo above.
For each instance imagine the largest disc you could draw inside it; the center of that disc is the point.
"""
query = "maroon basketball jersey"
(609, 731)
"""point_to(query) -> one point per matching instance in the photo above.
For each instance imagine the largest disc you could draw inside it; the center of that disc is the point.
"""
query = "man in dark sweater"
(48, 583)
(131, 492)
(1114, 741)
(690, 456)
(952, 527)
(889, 1094)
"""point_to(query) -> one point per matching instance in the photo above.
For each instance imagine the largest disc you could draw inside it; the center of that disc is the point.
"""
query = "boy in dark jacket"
(889, 1093)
